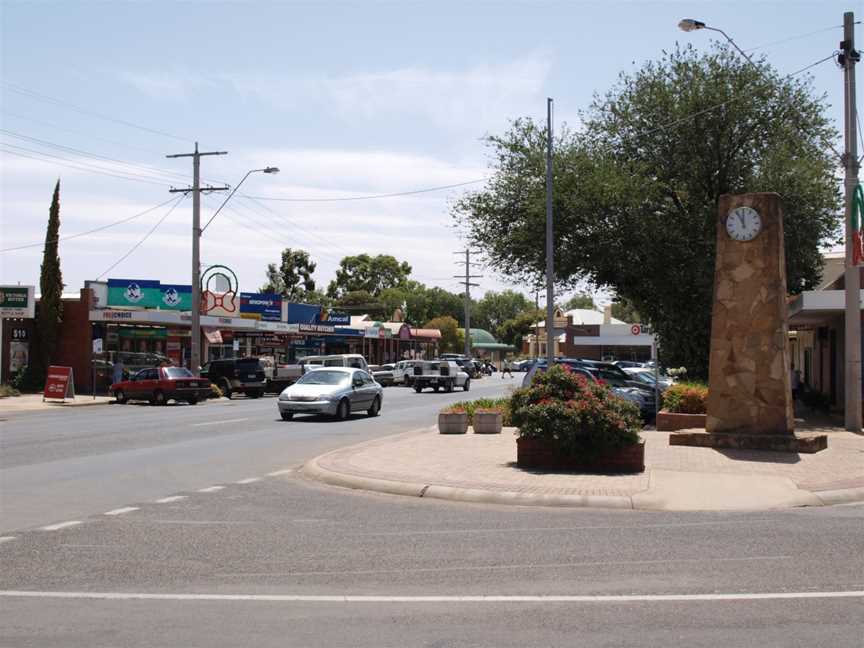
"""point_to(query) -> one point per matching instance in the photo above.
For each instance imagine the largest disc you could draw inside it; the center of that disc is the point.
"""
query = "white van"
(352, 360)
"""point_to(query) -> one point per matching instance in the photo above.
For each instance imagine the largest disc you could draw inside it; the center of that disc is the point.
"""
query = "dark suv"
(231, 375)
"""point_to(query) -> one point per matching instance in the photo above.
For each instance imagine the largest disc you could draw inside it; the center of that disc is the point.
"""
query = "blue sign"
(261, 306)
(304, 313)
(339, 319)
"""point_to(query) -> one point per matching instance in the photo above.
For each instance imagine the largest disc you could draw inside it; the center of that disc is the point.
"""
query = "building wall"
(74, 346)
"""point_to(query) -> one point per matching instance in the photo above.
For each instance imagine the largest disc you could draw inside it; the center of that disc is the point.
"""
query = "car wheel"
(287, 416)
(376, 407)
(192, 401)
(343, 410)
(254, 394)
(120, 396)
(467, 384)
(449, 386)
(435, 389)
(418, 388)
(158, 398)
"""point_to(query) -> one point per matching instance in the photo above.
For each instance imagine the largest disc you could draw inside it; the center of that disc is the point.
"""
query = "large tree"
(50, 312)
(292, 278)
(580, 300)
(495, 308)
(452, 339)
(512, 331)
(365, 272)
(636, 190)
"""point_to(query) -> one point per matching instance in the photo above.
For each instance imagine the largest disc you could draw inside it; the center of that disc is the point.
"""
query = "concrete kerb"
(645, 500)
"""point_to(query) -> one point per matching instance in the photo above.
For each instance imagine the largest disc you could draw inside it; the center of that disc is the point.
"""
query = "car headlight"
(284, 396)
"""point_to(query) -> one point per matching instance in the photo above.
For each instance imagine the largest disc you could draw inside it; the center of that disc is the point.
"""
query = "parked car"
(278, 376)
(438, 374)
(646, 375)
(628, 364)
(161, 384)
(383, 374)
(521, 365)
(334, 391)
(403, 372)
(232, 375)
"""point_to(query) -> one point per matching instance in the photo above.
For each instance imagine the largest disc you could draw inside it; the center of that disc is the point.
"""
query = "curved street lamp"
(691, 24)
(268, 170)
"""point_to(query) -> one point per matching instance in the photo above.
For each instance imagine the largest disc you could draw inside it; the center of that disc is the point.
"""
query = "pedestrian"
(505, 368)
(118, 370)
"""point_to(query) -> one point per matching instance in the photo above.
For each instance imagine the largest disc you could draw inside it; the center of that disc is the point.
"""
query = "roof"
(585, 316)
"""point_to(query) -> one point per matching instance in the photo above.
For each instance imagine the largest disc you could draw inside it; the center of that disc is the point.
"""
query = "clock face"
(743, 224)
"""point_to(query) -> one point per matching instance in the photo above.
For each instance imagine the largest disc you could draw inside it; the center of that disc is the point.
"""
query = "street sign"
(97, 345)
(59, 383)
(18, 301)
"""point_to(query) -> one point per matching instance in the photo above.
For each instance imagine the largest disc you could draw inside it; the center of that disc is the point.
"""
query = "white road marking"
(199, 522)
(61, 525)
(492, 598)
(248, 480)
(277, 473)
(220, 422)
(7, 538)
(210, 489)
(173, 498)
(407, 570)
(122, 511)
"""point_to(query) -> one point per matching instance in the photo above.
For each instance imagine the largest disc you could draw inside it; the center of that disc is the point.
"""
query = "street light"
(691, 24)
(233, 191)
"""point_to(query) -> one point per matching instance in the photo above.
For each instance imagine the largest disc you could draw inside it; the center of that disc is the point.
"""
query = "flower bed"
(453, 420)
(567, 422)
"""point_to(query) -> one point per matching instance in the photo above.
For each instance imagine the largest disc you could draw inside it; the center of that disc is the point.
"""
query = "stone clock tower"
(749, 393)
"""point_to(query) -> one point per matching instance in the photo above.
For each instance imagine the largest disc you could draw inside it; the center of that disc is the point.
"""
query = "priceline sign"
(261, 306)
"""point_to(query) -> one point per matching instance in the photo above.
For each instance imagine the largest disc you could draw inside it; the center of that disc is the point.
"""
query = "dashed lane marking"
(7, 538)
(61, 525)
(248, 480)
(173, 498)
(121, 511)
(493, 598)
(277, 473)
(220, 422)
(210, 489)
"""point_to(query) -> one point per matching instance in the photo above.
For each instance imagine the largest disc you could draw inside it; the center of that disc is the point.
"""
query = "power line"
(145, 237)
(66, 162)
(84, 111)
(372, 197)
(793, 38)
(92, 231)
(95, 156)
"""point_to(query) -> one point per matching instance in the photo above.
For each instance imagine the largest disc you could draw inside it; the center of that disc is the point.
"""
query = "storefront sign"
(338, 319)
(372, 332)
(142, 293)
(17, 301)
(213, 336)
(19, 334)
(317, 328)
(144, 333)
(19, 355)
(97, 345)
(304, 313)
(261, 306)
(176, 297)
(59, 383)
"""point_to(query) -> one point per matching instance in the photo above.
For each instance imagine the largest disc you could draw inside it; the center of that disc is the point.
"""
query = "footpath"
(33, 402)
(482, 468)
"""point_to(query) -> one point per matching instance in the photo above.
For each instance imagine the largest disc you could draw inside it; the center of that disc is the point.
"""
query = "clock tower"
(749, 392)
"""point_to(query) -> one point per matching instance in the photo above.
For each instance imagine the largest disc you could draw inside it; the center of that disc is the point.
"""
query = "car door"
(364, 390)
(150, 382)
(135, 383)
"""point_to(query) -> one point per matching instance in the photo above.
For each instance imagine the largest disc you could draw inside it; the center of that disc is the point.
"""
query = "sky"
(348, 99)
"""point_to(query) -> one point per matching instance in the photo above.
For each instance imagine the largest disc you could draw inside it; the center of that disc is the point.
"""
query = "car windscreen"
(324, 377)
(178, 372)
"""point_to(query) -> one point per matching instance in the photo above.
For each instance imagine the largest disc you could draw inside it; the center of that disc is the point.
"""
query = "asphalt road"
(64, 465)
(253, 554)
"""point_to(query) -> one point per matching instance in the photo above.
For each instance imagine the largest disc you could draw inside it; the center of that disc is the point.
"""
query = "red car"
(161, 384)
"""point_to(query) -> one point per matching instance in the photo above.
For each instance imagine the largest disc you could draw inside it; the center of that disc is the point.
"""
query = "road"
(246, 552)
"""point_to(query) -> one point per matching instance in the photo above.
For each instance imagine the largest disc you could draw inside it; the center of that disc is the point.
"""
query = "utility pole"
(550, 257)
(848, 58)
(196, 189)
(466, 281)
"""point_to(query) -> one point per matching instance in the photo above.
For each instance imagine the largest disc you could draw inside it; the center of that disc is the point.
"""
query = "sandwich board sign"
(59, 383)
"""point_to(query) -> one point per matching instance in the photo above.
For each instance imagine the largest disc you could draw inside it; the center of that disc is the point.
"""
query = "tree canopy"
(636, 189)
(452, 339)
(365, 272)
(293, 277)
(582, 300)
(494, 308)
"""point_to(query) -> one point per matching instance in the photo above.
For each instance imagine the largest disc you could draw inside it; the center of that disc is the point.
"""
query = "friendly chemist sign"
(17, 301)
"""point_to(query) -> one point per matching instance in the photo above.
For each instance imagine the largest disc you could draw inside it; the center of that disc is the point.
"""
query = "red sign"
(59, 383)
(635, 329)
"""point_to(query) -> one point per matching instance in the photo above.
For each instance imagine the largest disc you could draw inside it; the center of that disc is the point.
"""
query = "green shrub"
(685, 398)
(500, 404)
(578, 416)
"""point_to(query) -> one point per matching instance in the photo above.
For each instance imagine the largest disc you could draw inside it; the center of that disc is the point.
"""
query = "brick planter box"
(672, 421)
(539, 454)
(488, 422)
(453, 423)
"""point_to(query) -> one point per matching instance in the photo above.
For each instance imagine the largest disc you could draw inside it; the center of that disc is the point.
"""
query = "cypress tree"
(50, 311)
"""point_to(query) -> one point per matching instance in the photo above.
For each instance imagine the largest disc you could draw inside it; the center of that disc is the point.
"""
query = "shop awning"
(431, 334)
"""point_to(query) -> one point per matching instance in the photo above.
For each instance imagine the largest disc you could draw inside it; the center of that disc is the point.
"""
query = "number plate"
(251, 376)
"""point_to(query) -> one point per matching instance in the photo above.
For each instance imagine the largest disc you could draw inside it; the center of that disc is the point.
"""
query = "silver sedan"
(335, 391)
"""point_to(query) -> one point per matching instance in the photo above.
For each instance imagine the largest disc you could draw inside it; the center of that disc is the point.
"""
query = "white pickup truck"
(440, 374)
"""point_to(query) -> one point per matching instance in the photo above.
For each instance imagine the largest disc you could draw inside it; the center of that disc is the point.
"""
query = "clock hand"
(741, 218)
